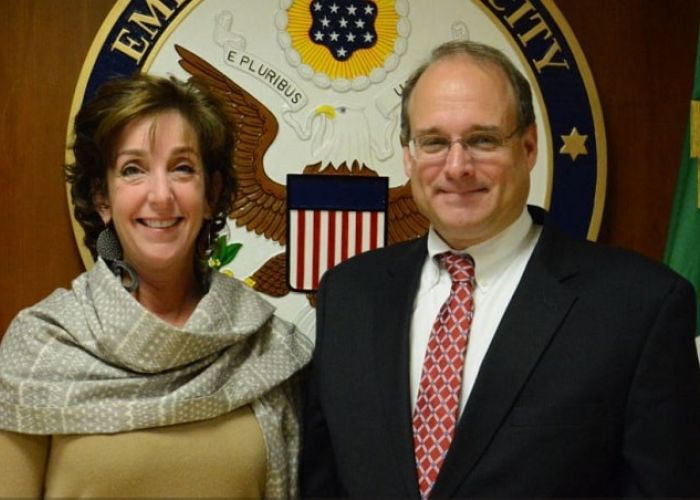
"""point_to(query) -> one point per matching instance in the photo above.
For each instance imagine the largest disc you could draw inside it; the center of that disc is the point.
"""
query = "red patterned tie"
(437, 405)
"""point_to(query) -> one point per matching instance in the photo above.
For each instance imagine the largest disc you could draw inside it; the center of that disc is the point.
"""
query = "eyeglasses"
(434, 148)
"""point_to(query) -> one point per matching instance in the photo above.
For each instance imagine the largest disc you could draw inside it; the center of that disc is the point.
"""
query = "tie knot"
(460, 267)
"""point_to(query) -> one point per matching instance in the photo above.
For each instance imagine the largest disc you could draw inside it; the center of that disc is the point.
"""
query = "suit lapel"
(535, 312)
(392, 325)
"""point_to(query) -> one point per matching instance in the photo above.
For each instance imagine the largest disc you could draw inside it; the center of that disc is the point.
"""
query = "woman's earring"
(204, 247)
(110, 250)
(210, 230)
(107, 245)
(121, 267)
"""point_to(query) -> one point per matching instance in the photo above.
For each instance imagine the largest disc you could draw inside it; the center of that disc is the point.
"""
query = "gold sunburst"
(362, 61)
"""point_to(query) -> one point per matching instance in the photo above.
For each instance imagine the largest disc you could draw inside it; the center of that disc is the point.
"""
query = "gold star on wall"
(574, 144)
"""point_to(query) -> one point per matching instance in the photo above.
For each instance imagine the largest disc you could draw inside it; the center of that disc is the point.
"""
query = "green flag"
(683, 240)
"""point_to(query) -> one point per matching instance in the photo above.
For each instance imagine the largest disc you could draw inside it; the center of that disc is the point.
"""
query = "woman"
(151, 376)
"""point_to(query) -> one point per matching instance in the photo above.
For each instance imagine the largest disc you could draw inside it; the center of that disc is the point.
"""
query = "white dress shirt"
(499, 264)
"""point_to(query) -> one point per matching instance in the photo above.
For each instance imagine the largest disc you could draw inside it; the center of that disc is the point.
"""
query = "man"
(568, 368)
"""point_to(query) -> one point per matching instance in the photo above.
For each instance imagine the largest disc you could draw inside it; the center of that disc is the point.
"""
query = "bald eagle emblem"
(335, 131)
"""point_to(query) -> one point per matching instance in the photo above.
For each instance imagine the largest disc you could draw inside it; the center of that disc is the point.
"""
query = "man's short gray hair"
(480, 52)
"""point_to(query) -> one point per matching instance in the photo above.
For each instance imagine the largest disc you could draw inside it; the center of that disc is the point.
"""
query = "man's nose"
(459, 160)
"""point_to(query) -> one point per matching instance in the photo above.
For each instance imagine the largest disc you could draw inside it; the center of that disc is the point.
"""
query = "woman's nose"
(160, 188)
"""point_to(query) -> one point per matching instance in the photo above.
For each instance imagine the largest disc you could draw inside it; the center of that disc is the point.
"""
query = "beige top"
(93, 361)
(219, 457)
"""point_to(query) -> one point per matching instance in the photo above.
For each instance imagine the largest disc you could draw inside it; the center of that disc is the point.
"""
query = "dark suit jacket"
(590, 387)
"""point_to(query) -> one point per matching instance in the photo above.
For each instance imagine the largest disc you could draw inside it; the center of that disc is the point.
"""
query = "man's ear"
(407, 162)
(530, 145)
(214, 191)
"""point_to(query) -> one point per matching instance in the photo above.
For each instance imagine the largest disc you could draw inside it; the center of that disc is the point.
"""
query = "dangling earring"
(110, 250)
(107, 245)
(119, 267)
(205, 250)
(209, 228)
(210, 243)
(204, 244)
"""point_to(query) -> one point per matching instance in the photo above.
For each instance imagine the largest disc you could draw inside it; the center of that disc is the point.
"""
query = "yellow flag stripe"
(695, 129)
(695, 140)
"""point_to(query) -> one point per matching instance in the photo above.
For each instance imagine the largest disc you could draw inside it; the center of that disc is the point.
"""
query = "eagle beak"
(327, 110)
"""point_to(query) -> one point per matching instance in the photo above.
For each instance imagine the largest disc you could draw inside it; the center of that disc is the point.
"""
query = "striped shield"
(330, 219)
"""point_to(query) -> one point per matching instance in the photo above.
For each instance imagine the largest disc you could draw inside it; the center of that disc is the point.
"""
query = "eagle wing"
(260, 203)
(405, 221)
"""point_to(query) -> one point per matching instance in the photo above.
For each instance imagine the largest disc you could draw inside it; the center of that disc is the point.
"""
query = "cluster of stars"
(343, 28)
(351, 9)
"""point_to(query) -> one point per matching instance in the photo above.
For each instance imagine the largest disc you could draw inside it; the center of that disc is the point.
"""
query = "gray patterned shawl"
(93, 360)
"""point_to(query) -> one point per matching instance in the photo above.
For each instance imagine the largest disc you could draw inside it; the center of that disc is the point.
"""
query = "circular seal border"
(578, 183)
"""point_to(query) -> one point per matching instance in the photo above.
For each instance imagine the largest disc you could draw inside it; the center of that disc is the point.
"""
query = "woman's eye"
(130, 169)
(185, 168)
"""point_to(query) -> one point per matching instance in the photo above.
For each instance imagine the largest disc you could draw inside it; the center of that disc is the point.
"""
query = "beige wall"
(641, 53)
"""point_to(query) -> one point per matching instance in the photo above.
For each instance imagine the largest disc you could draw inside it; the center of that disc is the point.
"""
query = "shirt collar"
(492, 256)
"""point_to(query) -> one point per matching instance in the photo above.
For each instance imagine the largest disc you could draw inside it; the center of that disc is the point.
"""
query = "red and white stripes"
(321, 239)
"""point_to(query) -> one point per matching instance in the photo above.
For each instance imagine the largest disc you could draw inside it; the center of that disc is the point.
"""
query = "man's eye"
(433, 144)
(484, 141)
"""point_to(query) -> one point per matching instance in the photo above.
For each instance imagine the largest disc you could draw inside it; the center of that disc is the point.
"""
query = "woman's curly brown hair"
(119, 102)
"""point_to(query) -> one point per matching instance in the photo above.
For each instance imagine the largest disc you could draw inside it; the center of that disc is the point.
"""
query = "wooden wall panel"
(44, 43)
(641, 54)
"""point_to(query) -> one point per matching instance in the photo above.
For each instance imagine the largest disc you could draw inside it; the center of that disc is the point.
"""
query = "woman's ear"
(102, 206)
